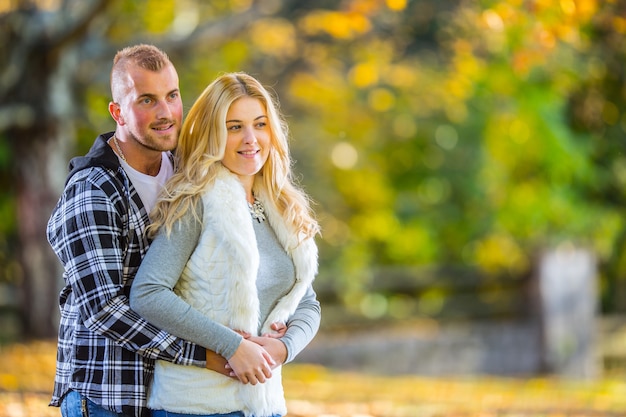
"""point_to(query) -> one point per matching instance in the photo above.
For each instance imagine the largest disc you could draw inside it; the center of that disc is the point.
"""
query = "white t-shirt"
(149, 187)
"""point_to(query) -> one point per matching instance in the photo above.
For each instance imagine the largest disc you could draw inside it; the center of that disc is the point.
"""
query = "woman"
(234, 238)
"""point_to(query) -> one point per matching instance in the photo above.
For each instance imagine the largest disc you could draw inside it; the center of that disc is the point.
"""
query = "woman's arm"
(153, 297)
(303, 325)
(300, 330)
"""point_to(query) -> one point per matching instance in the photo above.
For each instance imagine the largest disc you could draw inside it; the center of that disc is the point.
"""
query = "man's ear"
(116, 113)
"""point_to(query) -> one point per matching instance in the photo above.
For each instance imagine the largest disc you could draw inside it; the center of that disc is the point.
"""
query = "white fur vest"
(220, 281)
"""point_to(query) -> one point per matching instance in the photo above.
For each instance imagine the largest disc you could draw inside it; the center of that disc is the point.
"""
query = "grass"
(27, 373)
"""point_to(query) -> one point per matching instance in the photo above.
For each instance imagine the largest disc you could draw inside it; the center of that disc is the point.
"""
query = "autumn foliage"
(27, 372)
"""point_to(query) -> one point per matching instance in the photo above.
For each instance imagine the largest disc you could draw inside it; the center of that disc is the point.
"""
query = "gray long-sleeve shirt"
(153, 298)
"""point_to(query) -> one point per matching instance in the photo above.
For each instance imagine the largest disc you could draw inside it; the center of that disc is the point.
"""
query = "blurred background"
(466, 159)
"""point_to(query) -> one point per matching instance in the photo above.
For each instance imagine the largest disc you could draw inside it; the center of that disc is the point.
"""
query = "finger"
(280, 327)
(269, 359)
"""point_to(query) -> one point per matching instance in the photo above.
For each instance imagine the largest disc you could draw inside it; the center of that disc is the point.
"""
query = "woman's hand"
(251, 363)
(279, 330)
(272, 350)
(273, 346)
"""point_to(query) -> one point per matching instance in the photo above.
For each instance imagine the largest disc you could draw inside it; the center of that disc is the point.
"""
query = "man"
(106, 351)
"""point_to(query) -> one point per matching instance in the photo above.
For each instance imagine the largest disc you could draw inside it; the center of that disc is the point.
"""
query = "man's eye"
(146, 101)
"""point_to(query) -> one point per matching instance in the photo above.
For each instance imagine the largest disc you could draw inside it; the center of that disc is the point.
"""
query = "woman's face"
(248, 143)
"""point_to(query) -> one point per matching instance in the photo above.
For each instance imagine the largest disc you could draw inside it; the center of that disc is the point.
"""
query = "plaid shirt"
(106, 351)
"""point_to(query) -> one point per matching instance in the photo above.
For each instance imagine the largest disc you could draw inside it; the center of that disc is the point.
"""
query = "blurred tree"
(597, 108)
(438, 134)
(36, 113)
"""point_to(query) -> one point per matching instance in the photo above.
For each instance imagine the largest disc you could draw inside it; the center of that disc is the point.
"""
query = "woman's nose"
(248, 135)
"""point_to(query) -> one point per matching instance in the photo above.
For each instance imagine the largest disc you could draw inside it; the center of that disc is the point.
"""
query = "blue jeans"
(163, 413)
(76, 405)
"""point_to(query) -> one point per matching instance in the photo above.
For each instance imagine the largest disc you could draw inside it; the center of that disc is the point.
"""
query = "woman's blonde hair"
(201, 147)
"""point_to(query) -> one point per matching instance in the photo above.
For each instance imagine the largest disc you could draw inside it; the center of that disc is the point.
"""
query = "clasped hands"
(255, 357)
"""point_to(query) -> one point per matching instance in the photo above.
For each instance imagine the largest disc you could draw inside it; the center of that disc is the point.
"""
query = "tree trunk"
(36, 196)
(41, 151)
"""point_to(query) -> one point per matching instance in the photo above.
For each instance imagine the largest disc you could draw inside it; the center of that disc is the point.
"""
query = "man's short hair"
(145, 56)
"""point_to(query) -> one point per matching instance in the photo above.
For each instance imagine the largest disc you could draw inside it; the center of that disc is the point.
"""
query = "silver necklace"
(119, 150)
(257, 210)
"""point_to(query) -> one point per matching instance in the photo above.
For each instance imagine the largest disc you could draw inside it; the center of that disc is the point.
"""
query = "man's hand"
(217, 363)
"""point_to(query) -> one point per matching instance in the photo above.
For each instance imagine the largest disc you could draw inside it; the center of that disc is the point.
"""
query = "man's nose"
(164, 110)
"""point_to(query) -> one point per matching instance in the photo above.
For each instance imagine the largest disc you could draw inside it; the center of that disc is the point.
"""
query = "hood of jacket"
(100, 155)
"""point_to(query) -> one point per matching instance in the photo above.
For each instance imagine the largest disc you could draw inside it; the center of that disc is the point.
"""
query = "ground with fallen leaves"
(27, 371)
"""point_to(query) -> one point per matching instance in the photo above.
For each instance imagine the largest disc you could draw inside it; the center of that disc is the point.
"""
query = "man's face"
(149, 107)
